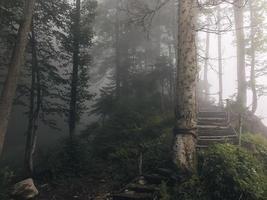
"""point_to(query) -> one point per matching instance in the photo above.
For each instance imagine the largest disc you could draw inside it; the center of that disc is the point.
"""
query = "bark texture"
(17, 60)
(240, 42)
(206, 82)
(184, 146)
(35, 105)
(117, 52)
(252, 52)
(75, 70)
(220, 70)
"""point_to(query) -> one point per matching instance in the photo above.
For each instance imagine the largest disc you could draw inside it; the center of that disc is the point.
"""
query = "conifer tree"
(16, 62)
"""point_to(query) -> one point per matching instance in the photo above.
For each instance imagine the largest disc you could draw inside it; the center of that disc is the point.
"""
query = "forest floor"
(81, 188)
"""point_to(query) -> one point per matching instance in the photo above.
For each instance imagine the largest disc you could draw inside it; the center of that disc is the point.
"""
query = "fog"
(100, 71)
(103, 76)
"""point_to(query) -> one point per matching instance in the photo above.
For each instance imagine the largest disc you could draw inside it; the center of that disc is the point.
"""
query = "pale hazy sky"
(229, 71)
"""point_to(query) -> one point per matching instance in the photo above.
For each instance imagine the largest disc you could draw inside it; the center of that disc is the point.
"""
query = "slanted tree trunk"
(75, 70)
(35, 104)
(117, 52)
(17, 60)
(240, 42)
(184, 144)
(252, 54)
(207, 53)
(220, 58)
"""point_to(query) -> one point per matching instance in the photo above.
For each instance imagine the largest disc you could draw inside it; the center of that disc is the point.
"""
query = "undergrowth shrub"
(164, 192)
(191, 189)
(257, 145)
(66, 160)
(229, 173)
(124, 136)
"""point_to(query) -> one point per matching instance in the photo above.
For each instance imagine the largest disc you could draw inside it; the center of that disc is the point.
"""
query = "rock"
(25, 190)
(141, 180)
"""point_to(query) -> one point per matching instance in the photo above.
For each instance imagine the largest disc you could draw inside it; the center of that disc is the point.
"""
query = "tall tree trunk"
(207, 53)
(117, 52)
(252, 52)
(240, 41)
(175, 45)
(184, 146)
(171, 77)
(220, 57)
(75, 70)
(34, 109)
(162, 103)
(17, 60)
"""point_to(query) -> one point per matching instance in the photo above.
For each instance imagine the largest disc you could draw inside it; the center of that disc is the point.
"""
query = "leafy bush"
(164, 193)
(66, 160)
(124, 135)
(228, 172)
(191, 189)
(231, 173)
(257, 145)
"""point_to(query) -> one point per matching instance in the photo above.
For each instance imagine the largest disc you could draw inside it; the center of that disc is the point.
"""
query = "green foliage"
(84, 38)
(69, 159)
(256, 144)
(134, 122)
(130, 124)
(164, 193)
(191, 189)
(229, 172)
(123, 136)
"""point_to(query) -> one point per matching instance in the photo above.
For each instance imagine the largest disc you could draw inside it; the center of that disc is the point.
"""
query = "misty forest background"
(98, 88)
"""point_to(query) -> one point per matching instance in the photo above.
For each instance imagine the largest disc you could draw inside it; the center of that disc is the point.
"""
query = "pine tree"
(256, 45)
(16, 62)
(45, 90)
(80, 37)
(184, 144)
(220, 64)
(240, 49)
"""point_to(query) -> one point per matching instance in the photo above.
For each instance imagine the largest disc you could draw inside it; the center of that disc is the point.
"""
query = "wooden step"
(213, 114)
(202, 146)
(209, 127)
(216, 132)
(133, 196)
(207, 142)
(164, 172)
(217, 137)
(142, 188)
(218, 119)
(209, 107)
(156, 179)
(211, 121)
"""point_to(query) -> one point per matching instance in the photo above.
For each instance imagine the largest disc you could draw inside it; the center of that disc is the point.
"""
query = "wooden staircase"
(213, 127)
